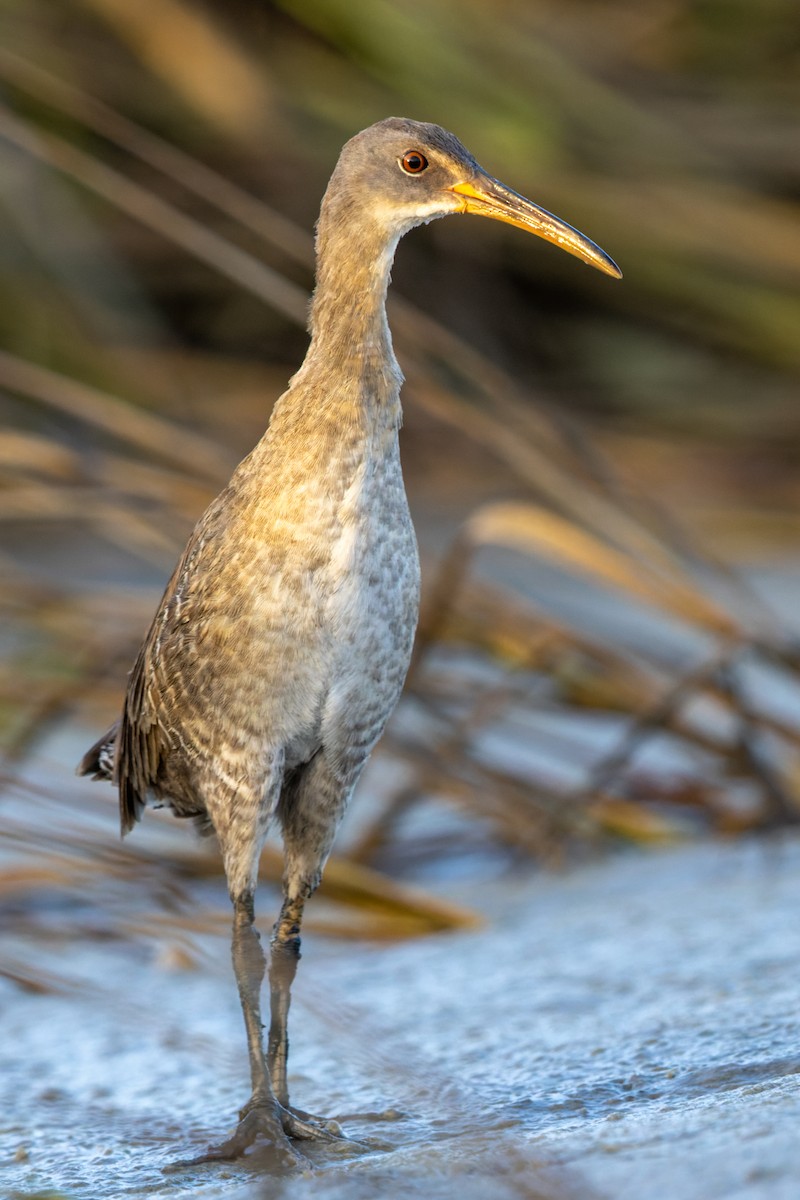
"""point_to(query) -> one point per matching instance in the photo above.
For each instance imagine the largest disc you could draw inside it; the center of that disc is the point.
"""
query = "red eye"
(413, 162)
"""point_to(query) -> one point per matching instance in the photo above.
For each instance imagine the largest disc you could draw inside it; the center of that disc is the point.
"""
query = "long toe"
(302, 1126)
(259, 1127)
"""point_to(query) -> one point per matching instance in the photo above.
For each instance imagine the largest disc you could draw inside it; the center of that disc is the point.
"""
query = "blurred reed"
(148, 279)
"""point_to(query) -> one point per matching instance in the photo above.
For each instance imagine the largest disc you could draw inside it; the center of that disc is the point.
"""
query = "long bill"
(487, 197)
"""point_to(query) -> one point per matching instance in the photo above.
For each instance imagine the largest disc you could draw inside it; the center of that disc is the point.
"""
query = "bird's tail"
(99, 761)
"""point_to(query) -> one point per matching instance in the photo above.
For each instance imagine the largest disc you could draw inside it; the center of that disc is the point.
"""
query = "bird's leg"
(249, 965)
(284, 957)
(261, 1119)
(311, 805)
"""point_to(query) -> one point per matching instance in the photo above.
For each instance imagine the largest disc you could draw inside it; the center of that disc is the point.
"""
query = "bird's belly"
(371, 618)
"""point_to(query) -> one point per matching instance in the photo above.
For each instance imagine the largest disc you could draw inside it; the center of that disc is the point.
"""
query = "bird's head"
(402, 173)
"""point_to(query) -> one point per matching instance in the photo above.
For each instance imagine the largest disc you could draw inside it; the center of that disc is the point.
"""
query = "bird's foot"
(296, 1123)
(304, 1127)
(260, 1123)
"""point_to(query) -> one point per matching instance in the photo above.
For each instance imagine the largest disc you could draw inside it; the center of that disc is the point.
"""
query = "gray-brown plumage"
(283, 638)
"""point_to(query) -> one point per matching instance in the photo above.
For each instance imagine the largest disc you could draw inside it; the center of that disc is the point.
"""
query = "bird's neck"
(351, 344)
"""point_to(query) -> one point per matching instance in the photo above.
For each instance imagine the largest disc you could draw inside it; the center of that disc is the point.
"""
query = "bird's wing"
(143, 736)
(139, 746)
(159, 688)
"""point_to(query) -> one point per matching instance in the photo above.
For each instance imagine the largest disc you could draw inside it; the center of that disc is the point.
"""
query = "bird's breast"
(308, 614)
(373, 565)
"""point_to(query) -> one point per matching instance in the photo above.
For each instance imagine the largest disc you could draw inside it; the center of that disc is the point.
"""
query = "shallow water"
(625, 1029)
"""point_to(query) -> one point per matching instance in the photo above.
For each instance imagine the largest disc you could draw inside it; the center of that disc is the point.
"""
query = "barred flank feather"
(99, 761)
(102, 762)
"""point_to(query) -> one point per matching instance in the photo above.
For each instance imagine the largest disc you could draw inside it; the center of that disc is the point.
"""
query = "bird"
(281, 643)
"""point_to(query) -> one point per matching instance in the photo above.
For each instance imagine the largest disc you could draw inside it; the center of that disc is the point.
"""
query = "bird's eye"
(413, 162)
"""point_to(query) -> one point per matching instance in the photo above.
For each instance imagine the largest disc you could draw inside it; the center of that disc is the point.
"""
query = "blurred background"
(603, 475)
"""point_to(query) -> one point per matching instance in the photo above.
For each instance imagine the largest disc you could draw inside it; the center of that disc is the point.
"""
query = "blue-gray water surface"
(626, 1029)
